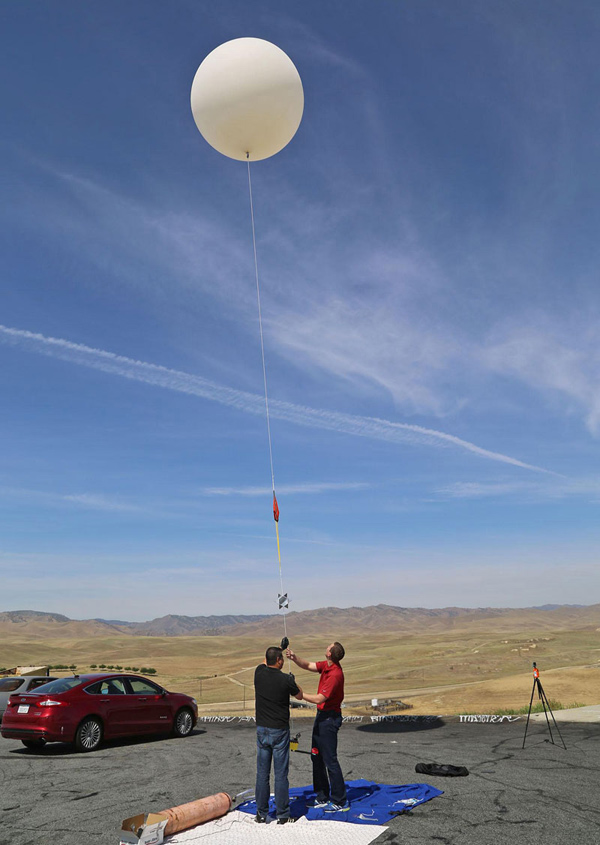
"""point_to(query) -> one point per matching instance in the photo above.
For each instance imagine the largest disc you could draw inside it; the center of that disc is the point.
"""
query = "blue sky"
(428, 257)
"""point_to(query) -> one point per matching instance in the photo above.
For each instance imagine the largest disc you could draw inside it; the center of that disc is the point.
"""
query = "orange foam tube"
(196, 812)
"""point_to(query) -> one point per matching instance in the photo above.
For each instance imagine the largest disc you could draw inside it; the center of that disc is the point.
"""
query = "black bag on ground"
(441, 770)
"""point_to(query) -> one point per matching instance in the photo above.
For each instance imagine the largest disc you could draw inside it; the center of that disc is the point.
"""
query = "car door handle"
(142, 699)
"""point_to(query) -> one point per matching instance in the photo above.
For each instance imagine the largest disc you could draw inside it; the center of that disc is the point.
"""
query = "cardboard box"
(144, 829)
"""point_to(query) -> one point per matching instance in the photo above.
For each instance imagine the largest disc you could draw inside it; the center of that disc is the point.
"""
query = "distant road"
(362, 696)
(403, 693)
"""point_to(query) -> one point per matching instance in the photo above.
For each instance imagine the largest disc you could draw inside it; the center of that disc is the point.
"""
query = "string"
(264, 368)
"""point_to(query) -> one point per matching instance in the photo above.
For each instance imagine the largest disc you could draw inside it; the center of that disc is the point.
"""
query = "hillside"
(32, 623)
(331, 621)
(177, 626)
(441, 660)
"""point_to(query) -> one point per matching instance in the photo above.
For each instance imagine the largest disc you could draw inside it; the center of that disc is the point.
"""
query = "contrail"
(250, 403)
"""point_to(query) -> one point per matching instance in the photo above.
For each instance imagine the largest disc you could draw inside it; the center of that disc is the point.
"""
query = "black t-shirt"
(272, 690)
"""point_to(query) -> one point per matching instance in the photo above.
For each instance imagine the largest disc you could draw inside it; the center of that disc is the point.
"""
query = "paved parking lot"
(540, 794)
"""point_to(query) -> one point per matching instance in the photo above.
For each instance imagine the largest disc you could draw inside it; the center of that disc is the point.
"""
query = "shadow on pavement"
(402, 724)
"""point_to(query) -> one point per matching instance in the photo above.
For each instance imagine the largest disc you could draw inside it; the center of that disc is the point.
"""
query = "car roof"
(100, 676)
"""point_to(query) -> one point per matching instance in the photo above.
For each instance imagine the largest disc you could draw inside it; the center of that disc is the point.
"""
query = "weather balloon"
(247, 99)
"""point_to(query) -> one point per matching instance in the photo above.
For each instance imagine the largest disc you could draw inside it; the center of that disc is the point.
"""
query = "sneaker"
(330, 807)
(287, 820)
(319, 803)
(260, 819)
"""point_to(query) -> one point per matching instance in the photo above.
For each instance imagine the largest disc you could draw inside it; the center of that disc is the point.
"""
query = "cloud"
(153, 374)
(372, 348)
(552, 487)
(288, 489)
(477, 490)
(322, 267)
(145, 243)
(97, 502)
(91, 501)
(560, 359)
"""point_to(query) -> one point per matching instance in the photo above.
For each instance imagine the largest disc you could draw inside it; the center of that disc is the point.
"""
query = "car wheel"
(183, 722)
(88, 735)
(33, 743)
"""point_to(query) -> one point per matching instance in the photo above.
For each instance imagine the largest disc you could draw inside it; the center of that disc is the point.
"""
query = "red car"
(85, 709)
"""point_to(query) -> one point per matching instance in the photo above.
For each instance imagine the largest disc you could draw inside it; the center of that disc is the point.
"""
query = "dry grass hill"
(438, 661)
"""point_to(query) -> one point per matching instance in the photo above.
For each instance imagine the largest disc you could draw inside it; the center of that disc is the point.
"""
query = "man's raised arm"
(301, 662)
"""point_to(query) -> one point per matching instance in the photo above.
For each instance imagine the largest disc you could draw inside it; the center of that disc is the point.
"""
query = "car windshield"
(10, 684)
(60, 685)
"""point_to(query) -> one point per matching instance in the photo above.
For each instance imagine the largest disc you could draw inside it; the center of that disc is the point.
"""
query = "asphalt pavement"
(514, 796)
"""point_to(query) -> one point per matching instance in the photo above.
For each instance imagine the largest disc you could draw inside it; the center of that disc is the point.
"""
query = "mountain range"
(379, 617)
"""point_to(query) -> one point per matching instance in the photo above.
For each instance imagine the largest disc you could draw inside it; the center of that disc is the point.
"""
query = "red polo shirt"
(331, 685)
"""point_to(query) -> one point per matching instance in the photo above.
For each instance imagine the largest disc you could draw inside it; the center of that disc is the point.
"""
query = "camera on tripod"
(546, 707)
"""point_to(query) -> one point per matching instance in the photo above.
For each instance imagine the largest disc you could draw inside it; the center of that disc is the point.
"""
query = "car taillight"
(50, 702)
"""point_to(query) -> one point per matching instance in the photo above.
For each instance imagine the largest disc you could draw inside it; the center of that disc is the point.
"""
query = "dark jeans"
(272, 744)
(328, 781)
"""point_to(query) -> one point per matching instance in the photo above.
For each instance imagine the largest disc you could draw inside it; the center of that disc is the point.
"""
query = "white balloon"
(247, 99)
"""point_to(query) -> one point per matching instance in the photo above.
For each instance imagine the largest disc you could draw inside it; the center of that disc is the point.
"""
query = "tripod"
(545, 704)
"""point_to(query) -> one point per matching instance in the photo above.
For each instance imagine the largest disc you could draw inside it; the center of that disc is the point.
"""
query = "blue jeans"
(272, 744)
(328, 780)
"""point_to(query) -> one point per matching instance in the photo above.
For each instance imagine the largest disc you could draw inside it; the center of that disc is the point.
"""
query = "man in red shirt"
(328, 781)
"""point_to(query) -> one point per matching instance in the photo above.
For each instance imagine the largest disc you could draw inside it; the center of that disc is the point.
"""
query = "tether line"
(262, 350)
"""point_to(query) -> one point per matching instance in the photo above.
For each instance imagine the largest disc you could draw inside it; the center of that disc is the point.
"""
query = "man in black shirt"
(272, 694)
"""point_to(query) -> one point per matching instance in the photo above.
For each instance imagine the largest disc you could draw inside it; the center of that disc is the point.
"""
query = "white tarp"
(238, 828)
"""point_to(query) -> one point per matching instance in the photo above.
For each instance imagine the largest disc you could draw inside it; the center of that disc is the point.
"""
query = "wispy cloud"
(552, 487)
(91, 501)
(371, 317)
(149, 244)
(477, 490)
(287, 489)
(397, 354)
(153, 374)
(553, 357)
(384, 300)
(97, 502)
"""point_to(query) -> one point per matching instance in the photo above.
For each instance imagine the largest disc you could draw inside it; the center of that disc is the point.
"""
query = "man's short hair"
(273, 654)
(337, 652)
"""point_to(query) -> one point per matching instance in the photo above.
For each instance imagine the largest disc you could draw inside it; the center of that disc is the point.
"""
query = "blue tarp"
(370, 803)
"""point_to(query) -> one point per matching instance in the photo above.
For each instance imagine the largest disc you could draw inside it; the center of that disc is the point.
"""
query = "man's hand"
(300, 661)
